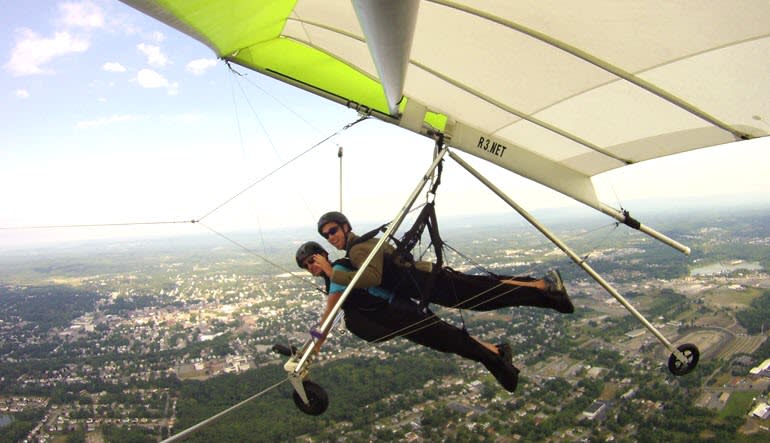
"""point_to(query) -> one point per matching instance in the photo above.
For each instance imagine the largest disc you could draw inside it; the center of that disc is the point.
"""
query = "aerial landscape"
(135, 340)
(163, 162)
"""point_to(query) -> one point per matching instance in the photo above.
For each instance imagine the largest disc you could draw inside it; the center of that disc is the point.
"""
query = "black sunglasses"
(330, 232)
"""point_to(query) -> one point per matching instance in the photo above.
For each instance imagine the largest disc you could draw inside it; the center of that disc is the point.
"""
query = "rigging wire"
(476, 265)
(604, 241)
(237, 118)
(261, 234)
(246, 78)
(267, 93)
(191, 221)
(264, 128)
(435, 319)
(259, 120)
(339, 155)
(432, 320)
(263, 258)
(256, 116)
(293, 159)
(97, 225)
(221, 414)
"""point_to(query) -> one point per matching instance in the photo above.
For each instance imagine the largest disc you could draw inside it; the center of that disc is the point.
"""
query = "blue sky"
(111, 117)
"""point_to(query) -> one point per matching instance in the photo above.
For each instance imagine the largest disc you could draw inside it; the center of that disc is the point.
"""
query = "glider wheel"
(317, 397)
(691, 353)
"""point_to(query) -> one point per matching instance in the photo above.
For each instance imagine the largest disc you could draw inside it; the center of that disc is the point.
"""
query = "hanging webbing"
(403, 252)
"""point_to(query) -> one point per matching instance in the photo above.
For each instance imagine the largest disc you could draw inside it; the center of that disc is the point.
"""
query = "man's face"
(334, 234)
(312, 266)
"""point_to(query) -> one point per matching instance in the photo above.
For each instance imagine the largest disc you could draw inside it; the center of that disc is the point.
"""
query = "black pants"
(474, 292)
(404, 318)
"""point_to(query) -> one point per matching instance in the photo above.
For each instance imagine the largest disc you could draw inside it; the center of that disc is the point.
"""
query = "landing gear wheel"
(317, 397)
(691, 353)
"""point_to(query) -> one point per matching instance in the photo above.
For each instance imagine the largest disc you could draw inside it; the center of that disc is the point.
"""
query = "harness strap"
(367, 236)
(426, 219)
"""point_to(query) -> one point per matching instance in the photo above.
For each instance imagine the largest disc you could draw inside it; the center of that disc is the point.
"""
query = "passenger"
(376, 315)
(446, 286)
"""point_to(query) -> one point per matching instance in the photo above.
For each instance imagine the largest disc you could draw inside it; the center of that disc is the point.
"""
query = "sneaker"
(557, 293)
(501, 366)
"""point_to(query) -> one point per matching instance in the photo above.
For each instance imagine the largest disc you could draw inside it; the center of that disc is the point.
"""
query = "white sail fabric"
(555, 91)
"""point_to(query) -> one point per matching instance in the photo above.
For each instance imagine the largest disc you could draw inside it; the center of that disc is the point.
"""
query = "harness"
(398, 267)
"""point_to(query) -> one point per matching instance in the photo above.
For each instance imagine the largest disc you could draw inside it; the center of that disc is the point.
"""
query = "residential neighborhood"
(113, 352)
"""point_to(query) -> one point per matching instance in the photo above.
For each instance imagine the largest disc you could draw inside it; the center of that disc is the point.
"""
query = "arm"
(331, 301)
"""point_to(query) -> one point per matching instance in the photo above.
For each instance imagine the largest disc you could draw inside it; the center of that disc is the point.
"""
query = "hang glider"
(554, 91)
(557, 92)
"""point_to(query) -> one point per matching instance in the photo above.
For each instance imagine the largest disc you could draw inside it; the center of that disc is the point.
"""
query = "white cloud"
(113, 67)
(101, 121)
(22, 93)
(157, 37)
(101, 100)
(200, 66)
(33, 51)
(154, 55)
(82, 15)
(147, 78)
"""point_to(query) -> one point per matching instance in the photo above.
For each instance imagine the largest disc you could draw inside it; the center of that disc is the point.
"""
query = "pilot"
(376, 315)
(445, 286)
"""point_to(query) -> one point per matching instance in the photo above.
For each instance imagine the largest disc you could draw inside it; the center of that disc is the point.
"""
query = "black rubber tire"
(317, 397)
(690, 352)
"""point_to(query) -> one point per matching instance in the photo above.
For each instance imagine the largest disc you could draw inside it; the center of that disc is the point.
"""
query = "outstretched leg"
(485, 293)
(425, 328)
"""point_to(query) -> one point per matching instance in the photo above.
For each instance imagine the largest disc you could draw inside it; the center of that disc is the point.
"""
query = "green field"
(738, 405)
(733, 298)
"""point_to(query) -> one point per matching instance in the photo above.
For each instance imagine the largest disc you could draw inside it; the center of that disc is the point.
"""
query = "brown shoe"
(501, 366)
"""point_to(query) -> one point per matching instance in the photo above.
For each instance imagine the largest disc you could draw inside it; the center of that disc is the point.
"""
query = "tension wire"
(263, 258)
(263, 178)
(216, 417)
(97, 225)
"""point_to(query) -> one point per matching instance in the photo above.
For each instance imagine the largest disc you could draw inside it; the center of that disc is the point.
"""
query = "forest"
(755, 318)
(45, 307)
(350, 383)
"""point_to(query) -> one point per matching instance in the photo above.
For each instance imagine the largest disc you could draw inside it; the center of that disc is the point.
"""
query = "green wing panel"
(248, 32)
(315, 68)
(232, 25)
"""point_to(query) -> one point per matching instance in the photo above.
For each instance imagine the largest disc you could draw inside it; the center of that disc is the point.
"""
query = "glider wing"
(554, 91)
